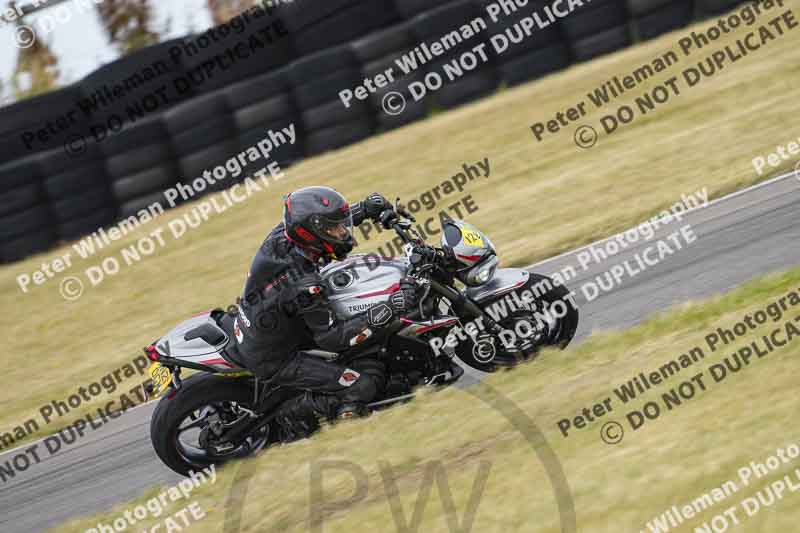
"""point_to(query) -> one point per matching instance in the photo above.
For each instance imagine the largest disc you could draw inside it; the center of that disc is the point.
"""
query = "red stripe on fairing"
(218, 362)
(388, 290)
(203, 313)
(435, 326)
(427, 327)
(505, 289)
(470, 257)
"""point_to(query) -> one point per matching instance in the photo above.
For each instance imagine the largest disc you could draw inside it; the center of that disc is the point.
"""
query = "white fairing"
(361, 281)
(184, 342)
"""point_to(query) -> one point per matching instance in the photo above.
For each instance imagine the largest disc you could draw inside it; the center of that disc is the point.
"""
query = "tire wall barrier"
(84, 156)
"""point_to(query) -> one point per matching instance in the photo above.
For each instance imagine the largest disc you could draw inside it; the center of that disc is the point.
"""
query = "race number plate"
(472, 238)
(162, 378)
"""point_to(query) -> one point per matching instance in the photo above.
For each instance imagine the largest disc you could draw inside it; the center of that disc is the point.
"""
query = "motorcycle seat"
(230, 352)
(207, 332)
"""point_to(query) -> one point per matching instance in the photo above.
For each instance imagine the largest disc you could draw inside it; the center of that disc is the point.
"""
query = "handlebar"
(425, 254)
(401, 210)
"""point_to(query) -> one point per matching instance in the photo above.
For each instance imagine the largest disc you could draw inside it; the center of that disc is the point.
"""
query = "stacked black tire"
(203, 136)
(26, 223)
(652, 18)
(77, 189)
(598, 28)
(473, 80)
(140, 165)
(377, 53)
(132, 88)
(265, 44)
(109, 146)
(261, 105)
(410, 8)
(51, 119)
(523, 57)
(316, 82)
(707, 8)
(316, 26)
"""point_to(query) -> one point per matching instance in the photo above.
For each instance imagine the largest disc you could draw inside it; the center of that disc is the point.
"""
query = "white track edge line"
(709, 204)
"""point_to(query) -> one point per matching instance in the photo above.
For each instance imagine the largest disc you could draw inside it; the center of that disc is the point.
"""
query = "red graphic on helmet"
(305, 234)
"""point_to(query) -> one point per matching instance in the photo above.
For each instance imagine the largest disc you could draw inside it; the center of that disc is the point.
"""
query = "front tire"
(201, 393)
(560, 334)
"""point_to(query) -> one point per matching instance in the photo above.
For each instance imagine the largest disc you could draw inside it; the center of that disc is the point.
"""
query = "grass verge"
(668, 461)
(541, 199)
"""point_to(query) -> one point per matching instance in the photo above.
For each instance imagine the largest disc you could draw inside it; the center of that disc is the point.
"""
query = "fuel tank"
(361, 281)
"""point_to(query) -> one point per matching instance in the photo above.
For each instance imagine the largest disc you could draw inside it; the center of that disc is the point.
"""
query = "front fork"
(465, 306)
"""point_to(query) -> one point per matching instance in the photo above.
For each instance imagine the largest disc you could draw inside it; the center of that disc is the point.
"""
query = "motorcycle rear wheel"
(202, 400)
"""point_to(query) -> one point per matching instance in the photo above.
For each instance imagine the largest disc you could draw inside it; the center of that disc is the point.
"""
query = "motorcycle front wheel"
(490, 353)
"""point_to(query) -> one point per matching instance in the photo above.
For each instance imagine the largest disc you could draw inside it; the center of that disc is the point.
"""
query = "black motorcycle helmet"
(318, 220)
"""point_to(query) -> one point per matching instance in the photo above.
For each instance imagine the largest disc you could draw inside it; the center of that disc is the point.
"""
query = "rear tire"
(196, 392)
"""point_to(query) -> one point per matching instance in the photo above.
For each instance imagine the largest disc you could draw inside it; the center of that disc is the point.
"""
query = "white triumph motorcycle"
(224, 412)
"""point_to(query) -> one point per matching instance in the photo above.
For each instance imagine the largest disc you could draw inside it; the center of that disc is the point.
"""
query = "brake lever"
(401, 210)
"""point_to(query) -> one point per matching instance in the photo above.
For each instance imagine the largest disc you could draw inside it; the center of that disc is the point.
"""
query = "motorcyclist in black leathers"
(284, 309)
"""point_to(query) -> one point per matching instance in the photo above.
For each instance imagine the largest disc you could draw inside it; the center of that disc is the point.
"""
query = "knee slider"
(363, 390)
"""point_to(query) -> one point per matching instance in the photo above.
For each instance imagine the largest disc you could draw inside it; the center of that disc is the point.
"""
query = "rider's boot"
(298, 417)
(352, 410)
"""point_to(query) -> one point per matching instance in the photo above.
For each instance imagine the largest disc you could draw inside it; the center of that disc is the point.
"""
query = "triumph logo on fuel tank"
(358, 308)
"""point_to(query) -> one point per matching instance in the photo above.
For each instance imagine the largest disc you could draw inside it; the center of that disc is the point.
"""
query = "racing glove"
(374, 205)
(387, 218)
(406, 299)
(400, 303)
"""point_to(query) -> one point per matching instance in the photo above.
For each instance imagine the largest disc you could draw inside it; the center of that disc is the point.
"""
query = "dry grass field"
(481, 440)
(541, 199)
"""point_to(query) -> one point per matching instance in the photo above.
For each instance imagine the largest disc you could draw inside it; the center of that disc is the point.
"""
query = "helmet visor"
(337, 230)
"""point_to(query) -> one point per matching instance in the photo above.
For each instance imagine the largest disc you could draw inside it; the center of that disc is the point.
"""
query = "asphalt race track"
(741, 236)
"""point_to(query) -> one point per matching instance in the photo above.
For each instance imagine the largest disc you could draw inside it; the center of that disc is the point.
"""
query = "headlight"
(481, 273)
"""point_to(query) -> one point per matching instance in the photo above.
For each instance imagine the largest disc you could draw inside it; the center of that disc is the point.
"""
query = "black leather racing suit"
(284, 310)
